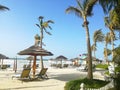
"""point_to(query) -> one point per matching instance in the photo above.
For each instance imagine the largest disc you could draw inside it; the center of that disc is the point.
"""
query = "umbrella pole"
(41, 60)
(2, 63)
(16, 65)
(34, 66)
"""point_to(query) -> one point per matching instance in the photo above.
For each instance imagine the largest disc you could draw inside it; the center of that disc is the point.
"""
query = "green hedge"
(75, 84)
(103, 66)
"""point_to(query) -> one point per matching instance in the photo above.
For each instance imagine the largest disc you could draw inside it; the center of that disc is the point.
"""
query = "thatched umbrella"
(3, 57)
(35, 51)
(60, 58)
(30, 58)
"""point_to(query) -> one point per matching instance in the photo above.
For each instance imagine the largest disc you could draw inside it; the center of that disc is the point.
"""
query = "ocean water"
(21, 63)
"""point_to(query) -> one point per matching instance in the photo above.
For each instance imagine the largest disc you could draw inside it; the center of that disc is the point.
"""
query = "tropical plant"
(115, 19)
(106, 52)
(97, 37)
(93, 49)
(107, 5)
(116, 57)
(83, 10)
(107, 40)
(112, 7)
(43, 25)
(109, 24)
(2, 8)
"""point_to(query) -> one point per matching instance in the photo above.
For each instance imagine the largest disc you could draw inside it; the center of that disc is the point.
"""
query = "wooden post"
(34, 66)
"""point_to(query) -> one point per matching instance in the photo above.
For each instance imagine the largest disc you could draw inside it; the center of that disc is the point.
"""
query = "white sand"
(56, 81)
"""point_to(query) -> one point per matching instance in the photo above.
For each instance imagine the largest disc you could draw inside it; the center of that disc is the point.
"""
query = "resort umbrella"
(3, 57)
(35, 51)
(60, 58)
(30, 58)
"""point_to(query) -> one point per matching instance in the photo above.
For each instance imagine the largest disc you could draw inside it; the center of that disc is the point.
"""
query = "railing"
(106, 87)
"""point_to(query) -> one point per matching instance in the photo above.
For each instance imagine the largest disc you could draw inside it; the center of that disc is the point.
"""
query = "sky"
(17, 27)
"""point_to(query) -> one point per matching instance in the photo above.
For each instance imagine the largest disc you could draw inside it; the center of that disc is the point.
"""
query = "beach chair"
(24, 75)
(42, 74)
(81, 68)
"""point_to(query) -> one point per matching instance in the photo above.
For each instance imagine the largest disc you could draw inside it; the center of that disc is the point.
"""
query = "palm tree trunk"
(89, 59)
(95, 54)
(41, 58)
(106, 53)
(112, 42)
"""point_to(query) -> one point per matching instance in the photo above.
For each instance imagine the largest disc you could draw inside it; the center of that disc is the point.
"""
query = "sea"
(21, 62)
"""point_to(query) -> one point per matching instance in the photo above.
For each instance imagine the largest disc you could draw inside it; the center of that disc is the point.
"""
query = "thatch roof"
(36, 51)
(3, 56)
(61, 57)
(30, 58)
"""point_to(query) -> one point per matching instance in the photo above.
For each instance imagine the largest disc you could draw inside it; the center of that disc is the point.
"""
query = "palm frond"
(108, 51)
(107, 38)
(50, 21)
(38, 25)
(116, 57)
(50, 27)
(72, 9)
(47, 31)
(106, 20)
(80, 5)
(89, 6)
(41, 17)
(3, 8)
(107, 5)
(93, 47)
(98, 36)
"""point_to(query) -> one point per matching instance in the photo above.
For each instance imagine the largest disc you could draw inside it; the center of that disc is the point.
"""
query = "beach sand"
(56, 81)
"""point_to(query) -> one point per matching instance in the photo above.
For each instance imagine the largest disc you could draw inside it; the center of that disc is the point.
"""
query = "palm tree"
(83, 10)
(110, 25)
(97, 37)
(116, 58)
(107, 40)
(43, 25)
(115, 19)
(2, 8)
(107, 5)
(93, 48)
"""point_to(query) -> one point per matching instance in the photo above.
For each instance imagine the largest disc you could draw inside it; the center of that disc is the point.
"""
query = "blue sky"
(18, 28)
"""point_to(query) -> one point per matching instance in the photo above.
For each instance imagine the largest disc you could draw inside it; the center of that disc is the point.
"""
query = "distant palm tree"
(93, 49)
(43, 25)
(112, 7)
(110, 25)
(107, 5)
(116, 57)
(2, 8)
(107, 40)
(115, 19)
(97, 37)
(83, 10)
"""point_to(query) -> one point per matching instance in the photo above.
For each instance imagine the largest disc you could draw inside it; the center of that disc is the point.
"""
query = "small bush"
(103, 66)
(75, 84)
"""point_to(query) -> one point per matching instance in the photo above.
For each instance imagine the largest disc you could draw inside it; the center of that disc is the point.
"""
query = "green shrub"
(107, 73)
(103, 66)
(75, 84)
(117, 69)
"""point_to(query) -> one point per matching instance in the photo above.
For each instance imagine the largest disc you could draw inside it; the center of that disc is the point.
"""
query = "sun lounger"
(24, 75)
(42, 74)
(81, 68)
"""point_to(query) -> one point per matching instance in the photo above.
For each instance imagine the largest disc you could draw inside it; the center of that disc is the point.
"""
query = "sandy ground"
(56, 81)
